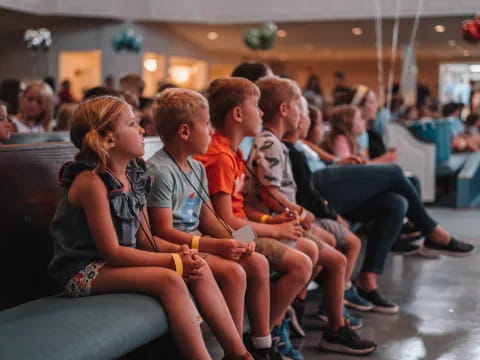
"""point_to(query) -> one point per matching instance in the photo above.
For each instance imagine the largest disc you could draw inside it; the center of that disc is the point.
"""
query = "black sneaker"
(261, 354)
(405, 248)
(380, 304)
(408, 228)
(346, 341)
(454, 248)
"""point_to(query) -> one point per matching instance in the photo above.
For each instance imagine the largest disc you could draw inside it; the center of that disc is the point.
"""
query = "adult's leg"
(349, 186)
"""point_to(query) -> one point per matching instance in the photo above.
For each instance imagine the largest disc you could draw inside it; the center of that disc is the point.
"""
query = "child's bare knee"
(168, 282)
(258, 265)
(232, 274)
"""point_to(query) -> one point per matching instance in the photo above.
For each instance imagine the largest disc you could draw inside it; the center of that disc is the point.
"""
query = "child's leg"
(309, 248)
(334, 264)
(258, 294)
(172, 292)
(296, 269)
(215, 312)
(352, 250)
(232, 280)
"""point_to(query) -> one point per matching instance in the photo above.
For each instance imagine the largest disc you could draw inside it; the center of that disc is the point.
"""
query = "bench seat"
(96, 327)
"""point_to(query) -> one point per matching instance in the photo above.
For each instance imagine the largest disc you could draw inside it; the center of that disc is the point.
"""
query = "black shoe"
(405, 248)
(380, 304)
(347, 341)
(454, 247)
(261, 354)
(408, 228)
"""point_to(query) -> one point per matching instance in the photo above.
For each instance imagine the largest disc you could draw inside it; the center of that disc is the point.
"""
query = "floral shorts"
(81, 283)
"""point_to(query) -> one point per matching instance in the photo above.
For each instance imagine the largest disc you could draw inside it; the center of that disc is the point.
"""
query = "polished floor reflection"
(439, 302)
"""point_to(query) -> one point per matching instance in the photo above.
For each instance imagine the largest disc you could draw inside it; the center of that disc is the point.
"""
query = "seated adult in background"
(460, 141)
(64, 116)
(134, 84)
(64, 94)
(36, 108)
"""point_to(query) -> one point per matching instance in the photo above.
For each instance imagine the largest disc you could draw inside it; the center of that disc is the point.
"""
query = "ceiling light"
(212, 35)
(282, 33)
(452, 43)
(439, 28)
(150, 64)
(357, 31)
(180, 74)
(475, 68)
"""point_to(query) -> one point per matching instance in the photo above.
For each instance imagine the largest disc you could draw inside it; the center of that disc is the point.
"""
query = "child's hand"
(199, 266)
(250, 249)
(285, 216)
(308, 221)
(187, 257)
(230, 249)
(289, 230)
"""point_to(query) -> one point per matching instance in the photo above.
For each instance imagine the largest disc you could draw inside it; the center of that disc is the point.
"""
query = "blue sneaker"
(354, 322)
(281, 339)
(355, 301)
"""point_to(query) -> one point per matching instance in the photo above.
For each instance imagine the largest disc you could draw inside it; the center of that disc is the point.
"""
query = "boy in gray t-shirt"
(171, 189)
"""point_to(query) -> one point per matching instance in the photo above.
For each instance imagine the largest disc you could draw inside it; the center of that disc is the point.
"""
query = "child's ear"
(184, 131)
(283, 108)
(109, 138)
(237, 114)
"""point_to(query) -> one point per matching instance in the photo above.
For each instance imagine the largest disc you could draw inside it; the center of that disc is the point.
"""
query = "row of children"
(177, 223)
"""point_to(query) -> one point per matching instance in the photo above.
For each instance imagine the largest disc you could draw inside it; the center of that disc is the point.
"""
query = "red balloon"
(471, 31)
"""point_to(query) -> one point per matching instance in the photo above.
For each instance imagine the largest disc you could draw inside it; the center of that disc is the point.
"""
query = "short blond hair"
(224, 94)
(275, 91)
(46, 93)
(174, 107)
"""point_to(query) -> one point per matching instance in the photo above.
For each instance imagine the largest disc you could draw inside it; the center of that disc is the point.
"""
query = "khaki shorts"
(272, 249)
(310, 236)
(339, 232)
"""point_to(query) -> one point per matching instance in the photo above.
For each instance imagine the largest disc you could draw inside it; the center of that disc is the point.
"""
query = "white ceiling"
(334, 39)
(239, 11)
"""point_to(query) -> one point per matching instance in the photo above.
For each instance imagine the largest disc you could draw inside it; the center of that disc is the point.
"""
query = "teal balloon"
(251, 38)
(267, 41)
(117, 44)
(268, 30)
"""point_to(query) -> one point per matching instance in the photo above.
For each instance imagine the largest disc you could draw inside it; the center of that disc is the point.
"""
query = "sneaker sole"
(357, 307)
(386, 310)
(448, 253)
(324, 345)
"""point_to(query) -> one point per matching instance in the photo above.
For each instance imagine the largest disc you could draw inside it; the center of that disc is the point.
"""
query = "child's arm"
(341, 148)
(329, 158)
(162, 225)
(144, 242)
(90, 194)
(288, 230)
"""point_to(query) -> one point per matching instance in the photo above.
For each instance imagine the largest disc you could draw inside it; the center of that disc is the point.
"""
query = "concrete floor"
(439, 302)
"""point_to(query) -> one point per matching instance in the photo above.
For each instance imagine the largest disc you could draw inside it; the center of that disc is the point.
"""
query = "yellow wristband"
(264, 218)
(195, 242)
(178, 263)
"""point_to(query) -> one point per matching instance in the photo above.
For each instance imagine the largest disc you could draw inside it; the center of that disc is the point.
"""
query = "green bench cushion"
(96, 327)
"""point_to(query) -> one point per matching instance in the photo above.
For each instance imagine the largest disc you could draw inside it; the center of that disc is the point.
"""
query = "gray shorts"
(338, 231)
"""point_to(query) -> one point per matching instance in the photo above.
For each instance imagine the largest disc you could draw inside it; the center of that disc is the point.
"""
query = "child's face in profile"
(293, 114)
(5, 126)
(201, 132)
(251, 116)
(128, 136)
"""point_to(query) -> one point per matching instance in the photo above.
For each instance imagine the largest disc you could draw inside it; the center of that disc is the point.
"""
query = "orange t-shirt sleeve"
(221, 174)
